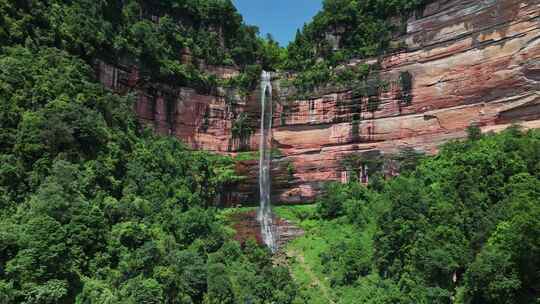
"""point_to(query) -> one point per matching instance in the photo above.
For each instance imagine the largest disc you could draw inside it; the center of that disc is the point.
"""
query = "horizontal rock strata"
(469, 62)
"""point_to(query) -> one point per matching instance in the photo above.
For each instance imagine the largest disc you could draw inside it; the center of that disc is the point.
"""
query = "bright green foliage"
(246, 81)
(435, 236)
(331, 256)
(460, 227)
(153, 35)
(346, 262)
(507, 268)
(94, 209)
(339, 199)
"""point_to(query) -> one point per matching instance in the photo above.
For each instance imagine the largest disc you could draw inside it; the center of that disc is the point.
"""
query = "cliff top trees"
(355, 21)
(150, 34)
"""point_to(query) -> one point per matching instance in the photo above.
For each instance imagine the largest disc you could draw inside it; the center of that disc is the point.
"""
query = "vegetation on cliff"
(460, 227)
(343, 30)
(94, 209)
(346, 29)
(153, 35)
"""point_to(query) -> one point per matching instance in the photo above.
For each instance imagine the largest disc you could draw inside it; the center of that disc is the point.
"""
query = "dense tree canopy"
(150, 34)
(94, 209)
(342, 30)
(460, 228)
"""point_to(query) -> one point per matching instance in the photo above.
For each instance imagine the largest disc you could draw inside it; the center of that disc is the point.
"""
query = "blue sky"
(280, 18)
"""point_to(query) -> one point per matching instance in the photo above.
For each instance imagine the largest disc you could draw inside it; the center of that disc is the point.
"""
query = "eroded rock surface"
(470, 62)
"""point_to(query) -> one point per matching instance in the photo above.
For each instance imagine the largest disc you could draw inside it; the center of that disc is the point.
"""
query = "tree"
(97, 210)
(139, 290)
(474, 132)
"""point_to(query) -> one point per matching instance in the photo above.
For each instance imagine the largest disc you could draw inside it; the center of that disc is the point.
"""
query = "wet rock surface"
(247, 227)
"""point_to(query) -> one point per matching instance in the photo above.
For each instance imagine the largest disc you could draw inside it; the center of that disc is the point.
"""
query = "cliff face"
(470, 61)
(467, 62)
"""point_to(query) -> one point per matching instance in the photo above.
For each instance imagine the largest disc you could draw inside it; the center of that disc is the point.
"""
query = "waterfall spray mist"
(265, 216)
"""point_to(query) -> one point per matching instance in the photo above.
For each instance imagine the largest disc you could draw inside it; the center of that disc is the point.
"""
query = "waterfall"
(265, 216)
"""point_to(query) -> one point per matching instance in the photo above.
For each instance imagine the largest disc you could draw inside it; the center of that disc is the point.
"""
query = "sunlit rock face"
(468, 62)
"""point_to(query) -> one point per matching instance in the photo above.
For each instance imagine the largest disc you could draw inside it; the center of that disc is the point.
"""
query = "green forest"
(460, 227)
(152, 35)
(341, 31)
(95, 208)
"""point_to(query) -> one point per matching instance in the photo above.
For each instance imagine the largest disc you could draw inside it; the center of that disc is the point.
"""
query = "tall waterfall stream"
(265, 215)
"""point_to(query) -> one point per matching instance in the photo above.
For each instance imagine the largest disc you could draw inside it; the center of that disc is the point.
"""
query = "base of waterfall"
(246, 226)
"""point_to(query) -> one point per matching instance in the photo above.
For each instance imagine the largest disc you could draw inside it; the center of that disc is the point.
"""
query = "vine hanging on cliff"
(242, 129)
(406, 82)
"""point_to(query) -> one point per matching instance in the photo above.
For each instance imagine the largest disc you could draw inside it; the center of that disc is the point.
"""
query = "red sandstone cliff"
(471, 62)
